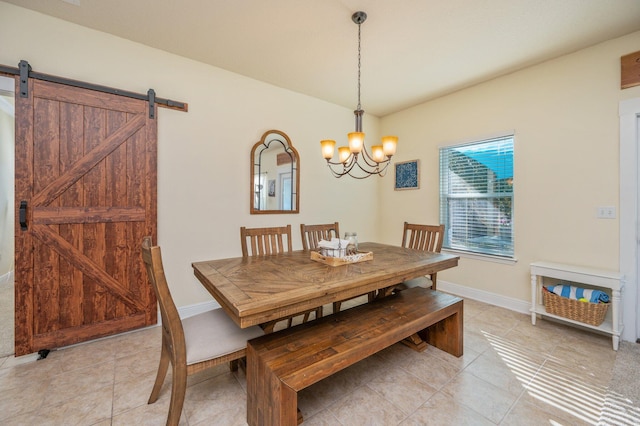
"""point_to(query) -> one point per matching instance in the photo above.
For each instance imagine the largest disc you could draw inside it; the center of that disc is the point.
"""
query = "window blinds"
(476, 196)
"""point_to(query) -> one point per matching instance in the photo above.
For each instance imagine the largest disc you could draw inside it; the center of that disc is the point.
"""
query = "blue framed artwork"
(407, 175)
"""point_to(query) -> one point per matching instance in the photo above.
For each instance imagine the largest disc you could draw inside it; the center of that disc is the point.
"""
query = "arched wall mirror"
(275, 175)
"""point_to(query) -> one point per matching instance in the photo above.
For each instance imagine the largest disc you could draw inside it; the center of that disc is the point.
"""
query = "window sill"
(483, 257)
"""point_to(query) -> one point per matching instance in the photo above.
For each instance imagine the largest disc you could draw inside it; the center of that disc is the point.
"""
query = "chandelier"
(354, 160)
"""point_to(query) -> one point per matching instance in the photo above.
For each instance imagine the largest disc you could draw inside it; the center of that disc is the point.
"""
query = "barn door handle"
(23, 215)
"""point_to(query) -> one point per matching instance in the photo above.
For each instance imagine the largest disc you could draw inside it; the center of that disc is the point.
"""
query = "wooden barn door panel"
(86, 165)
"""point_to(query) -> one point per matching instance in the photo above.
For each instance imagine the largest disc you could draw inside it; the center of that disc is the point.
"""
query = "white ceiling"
(412, 50)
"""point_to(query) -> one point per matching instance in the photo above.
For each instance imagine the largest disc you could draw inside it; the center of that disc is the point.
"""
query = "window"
(476, 196)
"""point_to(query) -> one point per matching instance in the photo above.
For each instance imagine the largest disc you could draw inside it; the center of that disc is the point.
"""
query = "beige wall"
(6, 182)
(564, 114)
(203, 155)
(565, 117)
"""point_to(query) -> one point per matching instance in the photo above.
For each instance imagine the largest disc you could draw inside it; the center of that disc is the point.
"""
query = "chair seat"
(424, 282)
(213, 334)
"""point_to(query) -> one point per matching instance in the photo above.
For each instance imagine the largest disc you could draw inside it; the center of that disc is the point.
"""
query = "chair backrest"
(313, 234)
(423, 237)
(171, 323)
(265, 241)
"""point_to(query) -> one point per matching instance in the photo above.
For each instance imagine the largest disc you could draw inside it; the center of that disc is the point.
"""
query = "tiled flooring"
(512, 373)
(6, 317)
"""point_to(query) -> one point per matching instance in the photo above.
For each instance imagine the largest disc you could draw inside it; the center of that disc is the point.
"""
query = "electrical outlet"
(606, 212)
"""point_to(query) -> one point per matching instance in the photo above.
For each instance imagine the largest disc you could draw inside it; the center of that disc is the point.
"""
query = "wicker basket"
(589, 313)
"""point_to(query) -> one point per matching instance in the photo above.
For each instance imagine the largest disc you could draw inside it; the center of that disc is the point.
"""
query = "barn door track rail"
(25, 72)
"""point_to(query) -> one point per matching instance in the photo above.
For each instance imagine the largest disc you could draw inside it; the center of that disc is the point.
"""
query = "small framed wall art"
(407, 175)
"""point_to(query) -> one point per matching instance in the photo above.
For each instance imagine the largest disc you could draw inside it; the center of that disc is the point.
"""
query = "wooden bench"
(281, 364)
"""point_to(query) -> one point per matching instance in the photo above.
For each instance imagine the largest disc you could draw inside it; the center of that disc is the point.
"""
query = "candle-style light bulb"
(389, 145)
(328, 147)
(356, 141)
(377, 153)
(343, 154)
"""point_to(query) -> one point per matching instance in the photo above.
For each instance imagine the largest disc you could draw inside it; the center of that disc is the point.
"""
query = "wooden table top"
(257, 290)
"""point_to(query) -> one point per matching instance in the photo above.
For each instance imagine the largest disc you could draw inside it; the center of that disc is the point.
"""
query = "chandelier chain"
(359, 106)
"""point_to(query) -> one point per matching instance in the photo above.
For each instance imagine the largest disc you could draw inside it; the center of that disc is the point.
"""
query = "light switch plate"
(606, 212)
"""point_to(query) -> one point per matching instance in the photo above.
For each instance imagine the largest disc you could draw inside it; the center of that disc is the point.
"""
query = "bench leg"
(447, 334)
(270, 402)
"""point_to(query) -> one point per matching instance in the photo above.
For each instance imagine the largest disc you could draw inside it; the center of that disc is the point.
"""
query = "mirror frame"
(257, 149)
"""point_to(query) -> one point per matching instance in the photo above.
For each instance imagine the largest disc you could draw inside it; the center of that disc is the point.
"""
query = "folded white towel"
(335, 243)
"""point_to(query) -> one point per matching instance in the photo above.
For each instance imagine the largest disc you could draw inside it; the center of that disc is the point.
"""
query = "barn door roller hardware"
(25, 73)
(25, 69)
(151, 94)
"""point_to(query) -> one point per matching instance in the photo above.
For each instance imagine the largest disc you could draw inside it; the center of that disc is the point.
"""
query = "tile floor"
(6, 317)
(512, 373)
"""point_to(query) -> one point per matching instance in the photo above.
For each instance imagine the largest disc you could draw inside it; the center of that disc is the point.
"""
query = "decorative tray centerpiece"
(339, 252)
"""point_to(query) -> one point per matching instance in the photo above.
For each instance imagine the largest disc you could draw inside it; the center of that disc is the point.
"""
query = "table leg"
(415, 342)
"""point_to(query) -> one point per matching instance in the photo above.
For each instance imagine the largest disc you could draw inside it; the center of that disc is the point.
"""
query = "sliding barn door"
(85, 197)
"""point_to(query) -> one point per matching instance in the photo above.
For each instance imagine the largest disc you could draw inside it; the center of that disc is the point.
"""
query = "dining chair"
(425, 238)
(265, 241)
(192, 344)
(313, 234)
(269, 241)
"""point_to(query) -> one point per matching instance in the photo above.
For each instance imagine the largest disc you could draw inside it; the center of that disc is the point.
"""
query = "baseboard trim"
(198, 308)
(517, 305)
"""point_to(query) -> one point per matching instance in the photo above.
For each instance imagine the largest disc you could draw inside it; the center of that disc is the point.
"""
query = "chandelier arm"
(346, 166)
(359, 177)
(375, 171)
(366, 157)
(354, 175)
(345, 171)
(351, 170)
(336, 174)
(335, 163)
(378, 171)
(369, 161)
(384, 169)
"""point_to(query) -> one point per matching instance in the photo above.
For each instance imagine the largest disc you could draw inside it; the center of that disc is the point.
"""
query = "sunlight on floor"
(619, 410)
(568, 393)
(576, 395)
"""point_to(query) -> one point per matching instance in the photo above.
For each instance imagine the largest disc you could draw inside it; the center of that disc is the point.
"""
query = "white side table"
(593, 278)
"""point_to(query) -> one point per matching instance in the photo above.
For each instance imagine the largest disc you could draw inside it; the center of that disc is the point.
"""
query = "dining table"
(263, 289)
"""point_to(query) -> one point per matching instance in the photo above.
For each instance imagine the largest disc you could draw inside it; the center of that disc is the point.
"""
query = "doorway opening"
(7, 251)
(629, 215)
